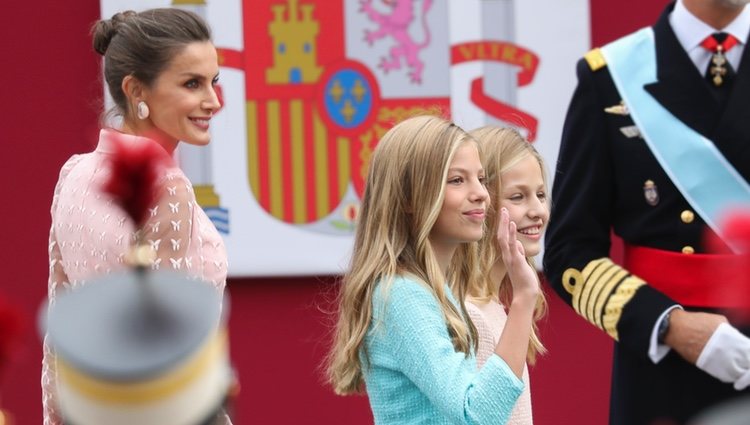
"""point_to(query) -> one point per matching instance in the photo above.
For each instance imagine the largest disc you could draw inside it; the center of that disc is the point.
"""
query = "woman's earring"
(142, 110)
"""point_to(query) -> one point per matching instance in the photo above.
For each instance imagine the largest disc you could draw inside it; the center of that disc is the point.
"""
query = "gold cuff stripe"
(578, 285)
(592, 290)
(613, 310)
(607, 288)
(582, 293)
(600, 292)
(149, 390)
(595, 59)
(590, 269)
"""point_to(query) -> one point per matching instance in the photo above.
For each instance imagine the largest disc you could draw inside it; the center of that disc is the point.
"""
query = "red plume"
(735, 227)
(135, 168)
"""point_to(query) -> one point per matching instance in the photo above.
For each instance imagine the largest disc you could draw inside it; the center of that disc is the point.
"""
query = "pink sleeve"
(181, 235)
(486, 342)
(57, 280)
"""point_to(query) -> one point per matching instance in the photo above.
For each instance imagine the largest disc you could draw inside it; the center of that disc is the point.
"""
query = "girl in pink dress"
(516, 182)
(161, 68)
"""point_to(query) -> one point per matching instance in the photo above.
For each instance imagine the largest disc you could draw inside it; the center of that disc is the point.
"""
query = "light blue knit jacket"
(415, 376)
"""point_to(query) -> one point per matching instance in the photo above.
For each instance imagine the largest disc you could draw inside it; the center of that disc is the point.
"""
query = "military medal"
(718, 44)
(650, 193)
(619, 109)
(630, 131)
(717, 70)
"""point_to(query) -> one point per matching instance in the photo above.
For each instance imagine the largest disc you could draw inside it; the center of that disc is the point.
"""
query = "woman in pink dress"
(161, 68)
(516, 182)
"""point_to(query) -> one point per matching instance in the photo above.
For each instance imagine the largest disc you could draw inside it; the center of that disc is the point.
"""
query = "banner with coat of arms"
(309, 86)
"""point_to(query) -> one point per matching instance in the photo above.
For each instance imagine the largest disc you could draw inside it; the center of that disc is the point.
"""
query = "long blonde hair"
(402, 199)
(503, 148)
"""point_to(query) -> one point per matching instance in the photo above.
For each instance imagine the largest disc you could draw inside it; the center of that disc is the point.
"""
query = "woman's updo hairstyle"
(142, 45)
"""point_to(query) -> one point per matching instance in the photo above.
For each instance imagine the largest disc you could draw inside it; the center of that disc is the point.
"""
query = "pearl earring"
(142, 110)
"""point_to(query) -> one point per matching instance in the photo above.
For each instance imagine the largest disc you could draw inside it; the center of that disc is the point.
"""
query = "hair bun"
(105, 29)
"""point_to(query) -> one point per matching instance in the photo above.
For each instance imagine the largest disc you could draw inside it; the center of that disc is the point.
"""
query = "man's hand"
(690, 331)
(712, 344)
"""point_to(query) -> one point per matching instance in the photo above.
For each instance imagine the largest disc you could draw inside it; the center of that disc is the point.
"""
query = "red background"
(50, 88)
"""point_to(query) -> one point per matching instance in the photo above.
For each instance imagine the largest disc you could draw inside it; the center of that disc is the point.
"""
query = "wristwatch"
(661, 333)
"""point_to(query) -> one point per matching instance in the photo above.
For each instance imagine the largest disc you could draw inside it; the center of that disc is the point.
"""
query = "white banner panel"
(309, 86)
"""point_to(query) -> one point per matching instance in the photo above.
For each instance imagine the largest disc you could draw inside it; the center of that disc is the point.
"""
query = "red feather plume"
(134, 171)
(735, 227)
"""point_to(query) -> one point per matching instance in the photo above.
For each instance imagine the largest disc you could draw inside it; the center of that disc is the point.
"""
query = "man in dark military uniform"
(658, 125)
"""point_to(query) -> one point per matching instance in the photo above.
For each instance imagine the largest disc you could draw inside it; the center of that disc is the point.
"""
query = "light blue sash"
(701, 173)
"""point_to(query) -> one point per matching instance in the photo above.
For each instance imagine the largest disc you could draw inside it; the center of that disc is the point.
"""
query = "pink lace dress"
(489, 319)
(90, 236)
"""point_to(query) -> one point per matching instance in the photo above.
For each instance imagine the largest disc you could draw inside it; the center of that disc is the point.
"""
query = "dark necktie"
(719, 72)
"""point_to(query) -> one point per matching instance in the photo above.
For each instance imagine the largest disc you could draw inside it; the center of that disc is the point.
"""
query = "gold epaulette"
(595, 59)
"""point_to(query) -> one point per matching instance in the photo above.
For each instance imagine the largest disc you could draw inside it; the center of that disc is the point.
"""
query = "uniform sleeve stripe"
(597, 285)
(600, 292)
(588, 271)
(605, 294)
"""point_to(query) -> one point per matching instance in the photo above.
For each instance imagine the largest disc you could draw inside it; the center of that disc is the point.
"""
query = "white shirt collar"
(690, 31)
(740, 27)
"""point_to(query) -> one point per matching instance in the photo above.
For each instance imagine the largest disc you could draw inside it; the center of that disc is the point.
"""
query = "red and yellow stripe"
(298, 169)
